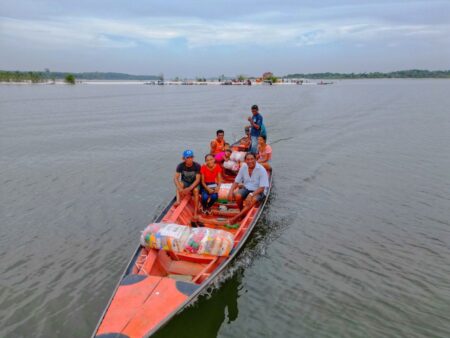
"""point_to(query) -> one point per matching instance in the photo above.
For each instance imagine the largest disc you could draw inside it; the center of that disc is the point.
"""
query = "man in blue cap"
(187, 178)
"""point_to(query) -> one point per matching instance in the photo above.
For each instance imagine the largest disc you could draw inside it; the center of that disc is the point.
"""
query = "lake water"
(354, 242)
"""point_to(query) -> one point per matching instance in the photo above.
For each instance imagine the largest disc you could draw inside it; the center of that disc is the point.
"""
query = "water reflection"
(209, 313)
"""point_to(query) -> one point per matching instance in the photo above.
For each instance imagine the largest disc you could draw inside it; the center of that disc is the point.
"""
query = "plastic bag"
(164, 236)
(205, 241)
(181, 238)
(238, 156)
(224, 190)
(231, 165)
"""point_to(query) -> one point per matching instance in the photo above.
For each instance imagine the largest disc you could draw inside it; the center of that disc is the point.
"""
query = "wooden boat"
(158, 284)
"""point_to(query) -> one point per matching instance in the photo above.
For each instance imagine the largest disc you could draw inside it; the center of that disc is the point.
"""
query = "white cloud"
(106, 33)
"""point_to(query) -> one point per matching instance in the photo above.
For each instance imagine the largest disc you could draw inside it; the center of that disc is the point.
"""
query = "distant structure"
(267, 75)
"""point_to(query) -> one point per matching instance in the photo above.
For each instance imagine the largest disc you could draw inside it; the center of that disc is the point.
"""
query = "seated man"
(187, 178)
(253, 182)
(218, 144)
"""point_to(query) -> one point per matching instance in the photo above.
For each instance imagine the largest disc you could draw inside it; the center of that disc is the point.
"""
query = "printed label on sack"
(172, 230)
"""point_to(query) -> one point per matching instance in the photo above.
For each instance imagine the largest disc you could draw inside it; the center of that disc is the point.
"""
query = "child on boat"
(211, 178)
(222, 156)
(246, 141)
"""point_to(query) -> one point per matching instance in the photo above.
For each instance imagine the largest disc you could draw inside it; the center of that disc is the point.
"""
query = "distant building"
(267, 75)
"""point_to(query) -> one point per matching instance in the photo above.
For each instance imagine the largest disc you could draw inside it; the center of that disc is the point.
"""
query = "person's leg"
(266, 165)
(242, 213)
(254, 146)
(204, 198)
(240, 196)
(213, 199)
(177, 202)
(239, 200)
(247, 208)
(196, 193)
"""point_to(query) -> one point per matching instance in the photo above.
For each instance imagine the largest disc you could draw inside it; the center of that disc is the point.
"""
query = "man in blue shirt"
(253, 182)
(256, 122)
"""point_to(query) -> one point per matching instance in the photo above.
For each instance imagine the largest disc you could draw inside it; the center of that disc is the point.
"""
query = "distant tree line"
(402, 74)
(35, 77)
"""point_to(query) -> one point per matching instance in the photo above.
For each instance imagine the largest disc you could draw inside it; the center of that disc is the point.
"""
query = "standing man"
(187, 178)
(218, 144)
(256, 122)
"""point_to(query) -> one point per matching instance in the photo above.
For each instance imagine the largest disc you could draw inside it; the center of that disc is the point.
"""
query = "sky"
(204, 38)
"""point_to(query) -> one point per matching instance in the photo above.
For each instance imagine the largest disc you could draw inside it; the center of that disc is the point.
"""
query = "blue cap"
(188, 153)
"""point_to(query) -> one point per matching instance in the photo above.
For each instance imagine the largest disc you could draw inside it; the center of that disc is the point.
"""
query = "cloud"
(197, 32)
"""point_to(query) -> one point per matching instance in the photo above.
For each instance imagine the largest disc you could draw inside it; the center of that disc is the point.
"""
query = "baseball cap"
(188, 153)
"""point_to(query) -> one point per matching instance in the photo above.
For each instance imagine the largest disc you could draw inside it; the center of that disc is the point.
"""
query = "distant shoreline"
(47, 76)
(306, 82)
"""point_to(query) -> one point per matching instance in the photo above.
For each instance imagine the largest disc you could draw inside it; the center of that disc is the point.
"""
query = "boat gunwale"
(204, 284)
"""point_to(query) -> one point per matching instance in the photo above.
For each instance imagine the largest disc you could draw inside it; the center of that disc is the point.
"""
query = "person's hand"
(230, 196)
(209, 190)
(249, 119)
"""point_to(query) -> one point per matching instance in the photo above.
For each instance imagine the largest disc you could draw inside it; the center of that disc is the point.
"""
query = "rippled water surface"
(355, 241)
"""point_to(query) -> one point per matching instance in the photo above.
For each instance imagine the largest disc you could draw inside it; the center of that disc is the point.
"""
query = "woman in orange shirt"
(211, 177)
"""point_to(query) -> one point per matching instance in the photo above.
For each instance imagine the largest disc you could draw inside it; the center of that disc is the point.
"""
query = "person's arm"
(263, 184)
(254, 125)
(235, 184)
(263, 158)
(196, 182)
(176, 180)
(231, 192)
(213, 145)
(203, 182)
(218, 181)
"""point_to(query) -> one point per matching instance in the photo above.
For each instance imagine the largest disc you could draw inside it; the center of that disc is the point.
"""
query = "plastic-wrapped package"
(224, 190)
(164, 236)
(238, 156)
(231, 165)
(181, 238)
(205, 241)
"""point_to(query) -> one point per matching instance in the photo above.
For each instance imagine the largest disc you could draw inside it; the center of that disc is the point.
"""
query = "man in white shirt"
(253, 182)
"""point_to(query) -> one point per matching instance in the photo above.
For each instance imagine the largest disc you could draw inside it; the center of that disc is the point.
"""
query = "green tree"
(273, 79)
(70, 79)
(241, 78)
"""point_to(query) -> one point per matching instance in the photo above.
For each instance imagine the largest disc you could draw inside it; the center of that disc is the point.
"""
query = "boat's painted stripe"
(132, 279)
(112, 335)
(186, 288)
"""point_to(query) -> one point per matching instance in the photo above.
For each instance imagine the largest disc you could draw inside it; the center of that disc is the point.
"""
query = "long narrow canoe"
(158, 284)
